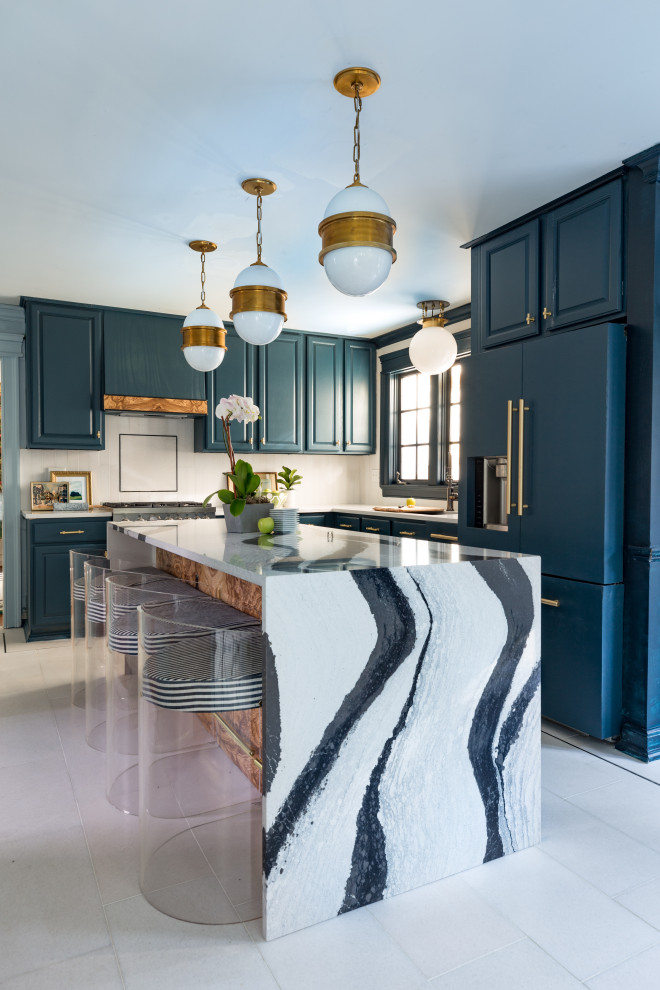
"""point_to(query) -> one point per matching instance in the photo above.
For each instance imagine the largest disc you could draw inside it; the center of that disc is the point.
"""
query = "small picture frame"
(44, 495)
(268, 481)
(80, 485)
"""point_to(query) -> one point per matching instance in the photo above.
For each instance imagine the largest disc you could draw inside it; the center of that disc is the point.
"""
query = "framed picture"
(80, 484)
(268, 481)
(44, 494)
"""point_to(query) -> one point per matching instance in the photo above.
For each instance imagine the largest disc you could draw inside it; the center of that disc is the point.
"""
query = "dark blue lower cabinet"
(581, 655)
(407, 527)
(314, 518)
(345, 521)
(48, 580)
(368, 524)
(437, 532)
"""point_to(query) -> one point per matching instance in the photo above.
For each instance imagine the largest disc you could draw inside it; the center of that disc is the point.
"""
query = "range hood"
(145, 405)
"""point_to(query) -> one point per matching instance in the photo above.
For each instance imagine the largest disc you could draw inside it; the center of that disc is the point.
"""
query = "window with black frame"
(420, 427)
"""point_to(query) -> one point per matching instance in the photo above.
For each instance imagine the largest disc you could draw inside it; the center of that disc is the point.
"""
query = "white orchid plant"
(242, 409)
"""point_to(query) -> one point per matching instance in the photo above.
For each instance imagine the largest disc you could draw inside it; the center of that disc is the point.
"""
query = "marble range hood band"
(137, 404)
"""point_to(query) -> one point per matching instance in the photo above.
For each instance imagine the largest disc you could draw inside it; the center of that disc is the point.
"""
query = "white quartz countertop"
(66, 514)
(312, 549)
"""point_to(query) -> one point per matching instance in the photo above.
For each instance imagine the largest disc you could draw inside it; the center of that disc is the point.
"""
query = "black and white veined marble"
(402, 731)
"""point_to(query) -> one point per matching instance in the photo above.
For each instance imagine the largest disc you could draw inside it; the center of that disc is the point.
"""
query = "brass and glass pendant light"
(258, 296)
(357, 230)
(433, 349)
(203, 333)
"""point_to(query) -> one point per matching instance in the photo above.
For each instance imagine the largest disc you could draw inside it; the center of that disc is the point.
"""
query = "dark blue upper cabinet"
(507, 274)
(143, 357)
(583, 258)
(235, 376)
(359, 397)
(325, 393)
(64, 381)
(281, 394)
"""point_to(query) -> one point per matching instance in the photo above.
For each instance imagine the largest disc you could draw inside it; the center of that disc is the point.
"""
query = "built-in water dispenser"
(490, 492)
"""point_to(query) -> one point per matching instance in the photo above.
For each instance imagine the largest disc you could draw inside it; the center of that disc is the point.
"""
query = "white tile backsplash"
(326, 478)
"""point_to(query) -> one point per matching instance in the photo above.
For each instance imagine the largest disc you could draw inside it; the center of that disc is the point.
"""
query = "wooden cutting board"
(405, 508)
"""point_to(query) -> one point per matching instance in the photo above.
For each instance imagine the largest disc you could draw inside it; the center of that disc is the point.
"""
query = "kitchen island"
(401, 709)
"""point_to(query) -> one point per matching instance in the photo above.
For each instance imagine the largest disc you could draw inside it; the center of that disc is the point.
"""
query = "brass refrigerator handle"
(522, 409)
(550, 601)
(509, 417)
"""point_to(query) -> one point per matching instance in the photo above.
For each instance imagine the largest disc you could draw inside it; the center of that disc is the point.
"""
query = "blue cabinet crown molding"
(458, 314)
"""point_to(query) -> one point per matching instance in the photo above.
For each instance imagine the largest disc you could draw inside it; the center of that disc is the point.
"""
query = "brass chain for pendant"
(357, 103)
(203, 278)
(259, 227)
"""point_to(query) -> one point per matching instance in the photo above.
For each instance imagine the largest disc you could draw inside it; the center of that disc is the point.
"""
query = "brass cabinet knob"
(98, 434)
(336, 443)
(263, 439)
(348, 443)
(530, 319)
(546, 313)
(250, 441)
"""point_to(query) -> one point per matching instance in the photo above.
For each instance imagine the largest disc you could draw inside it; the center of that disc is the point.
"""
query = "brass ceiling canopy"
(203, 247)
(430, 318)
(347, 80)
(259, 187)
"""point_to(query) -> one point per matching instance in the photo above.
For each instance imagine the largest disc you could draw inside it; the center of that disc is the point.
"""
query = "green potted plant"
(287, 478)
(245, 506)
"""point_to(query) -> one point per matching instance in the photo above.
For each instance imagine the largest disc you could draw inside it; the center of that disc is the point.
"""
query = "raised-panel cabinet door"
(507, 272)
(325, 391)
(281, 394)
(64, 393)
(49, 589)
(235, 376)
(583, 258)
(574, 391)
(489, 381)
(359, 397)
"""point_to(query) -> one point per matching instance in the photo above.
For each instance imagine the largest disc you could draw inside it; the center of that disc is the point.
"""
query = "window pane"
(409, 427)
(423, 419)
(455, 395)
(454, 424)
(409, 392)
(408, 462)
(454, 451)
(423, 390)
(422, 463)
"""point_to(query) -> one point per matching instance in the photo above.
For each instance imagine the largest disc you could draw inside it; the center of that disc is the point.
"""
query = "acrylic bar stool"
(77, 560)
(95, 646)
(125, 592)
(200, 809)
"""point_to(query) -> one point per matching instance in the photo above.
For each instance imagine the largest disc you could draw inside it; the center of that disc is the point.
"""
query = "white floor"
(582, 909)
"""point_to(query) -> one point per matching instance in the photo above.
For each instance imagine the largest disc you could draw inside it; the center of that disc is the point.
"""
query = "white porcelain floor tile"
(566, 770)
(351, 952)
(580, 927)
(558, 730)
(49, 904)
(444, 925)
(642, 972)
(25, 738)
(93, 971)
(607, 751)
(559, 815)
(632, 806)
(36, 798)
(520, 966)
(15, 643)
(159, 953)
(644, 901)
(604, 856)
(113, 840)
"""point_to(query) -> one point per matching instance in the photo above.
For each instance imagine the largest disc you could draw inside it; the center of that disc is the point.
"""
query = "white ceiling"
(127, 126)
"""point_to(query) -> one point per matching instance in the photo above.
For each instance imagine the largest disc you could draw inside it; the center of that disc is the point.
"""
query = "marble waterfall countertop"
(312, 549)
(401, 707)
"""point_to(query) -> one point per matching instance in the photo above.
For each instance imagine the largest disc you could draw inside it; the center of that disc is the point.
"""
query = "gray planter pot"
(248, 519)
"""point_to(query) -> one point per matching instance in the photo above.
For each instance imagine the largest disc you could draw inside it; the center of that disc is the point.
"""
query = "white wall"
(326, 478)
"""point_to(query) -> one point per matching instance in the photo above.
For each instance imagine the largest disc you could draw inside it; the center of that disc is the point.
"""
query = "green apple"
(266, 524)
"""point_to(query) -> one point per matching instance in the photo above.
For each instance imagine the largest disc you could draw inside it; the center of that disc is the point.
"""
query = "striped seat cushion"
(216, 672)
(124, 603)
(79, 589)
(182, 614)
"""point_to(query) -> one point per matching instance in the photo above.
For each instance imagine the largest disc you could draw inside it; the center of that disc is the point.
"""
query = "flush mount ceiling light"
(356, 230)
(433, 349)
(203, 333)
(258, 297)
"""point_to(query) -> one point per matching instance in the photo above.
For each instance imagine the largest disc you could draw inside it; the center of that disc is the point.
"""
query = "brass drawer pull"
(372, 529)
(442, 536)
(529, 319)
(346, 525)
(68, 532)
(546, 313)
(550, 601)
(406, 532)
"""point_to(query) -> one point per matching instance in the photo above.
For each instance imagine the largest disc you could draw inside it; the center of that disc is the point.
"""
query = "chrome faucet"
(452, 494)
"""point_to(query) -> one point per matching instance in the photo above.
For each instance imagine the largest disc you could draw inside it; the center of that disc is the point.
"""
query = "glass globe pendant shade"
(356, 233)
(203, 339)
(258, 304)
(433, 349)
